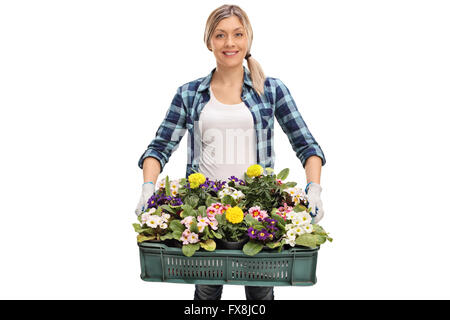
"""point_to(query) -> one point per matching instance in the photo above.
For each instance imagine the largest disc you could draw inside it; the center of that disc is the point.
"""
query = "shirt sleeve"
(169, 133)
(290, 120)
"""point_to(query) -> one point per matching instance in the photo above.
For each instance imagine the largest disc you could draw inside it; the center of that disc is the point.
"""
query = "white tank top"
(228, 139)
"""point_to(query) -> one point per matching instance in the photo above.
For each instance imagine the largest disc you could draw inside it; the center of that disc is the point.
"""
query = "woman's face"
(229, 37)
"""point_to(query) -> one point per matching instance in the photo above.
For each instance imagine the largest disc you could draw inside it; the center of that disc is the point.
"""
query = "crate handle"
(292, 270)
(162, 263)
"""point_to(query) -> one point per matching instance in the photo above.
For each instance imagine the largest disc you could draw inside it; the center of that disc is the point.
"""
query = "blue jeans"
(214, 292)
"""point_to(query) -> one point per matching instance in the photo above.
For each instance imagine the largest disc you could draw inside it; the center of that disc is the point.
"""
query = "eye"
(217, 36)
(240, 33)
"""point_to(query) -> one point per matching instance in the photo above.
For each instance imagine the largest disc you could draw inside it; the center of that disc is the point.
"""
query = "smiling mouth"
(230, 53)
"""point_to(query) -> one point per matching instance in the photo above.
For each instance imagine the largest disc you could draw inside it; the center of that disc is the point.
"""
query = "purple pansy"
(263, 234)
(252, 233)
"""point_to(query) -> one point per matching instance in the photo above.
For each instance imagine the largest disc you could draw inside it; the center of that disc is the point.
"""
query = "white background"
(85, 84)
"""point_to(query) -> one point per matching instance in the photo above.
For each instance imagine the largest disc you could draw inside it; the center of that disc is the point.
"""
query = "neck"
(228, 76)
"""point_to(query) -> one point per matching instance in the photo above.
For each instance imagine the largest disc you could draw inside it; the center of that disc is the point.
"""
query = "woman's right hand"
(148, 189)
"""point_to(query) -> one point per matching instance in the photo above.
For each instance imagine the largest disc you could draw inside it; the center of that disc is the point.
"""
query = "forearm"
(313, 167)
(151, 169)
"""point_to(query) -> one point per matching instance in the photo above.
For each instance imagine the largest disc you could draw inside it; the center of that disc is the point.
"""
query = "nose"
(230, 42)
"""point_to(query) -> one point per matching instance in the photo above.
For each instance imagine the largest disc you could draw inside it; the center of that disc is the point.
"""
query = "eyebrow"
(233, 30)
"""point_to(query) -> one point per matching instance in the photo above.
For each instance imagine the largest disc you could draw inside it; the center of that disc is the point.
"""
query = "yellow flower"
(234, 215)
(196, 179)
(255, 170)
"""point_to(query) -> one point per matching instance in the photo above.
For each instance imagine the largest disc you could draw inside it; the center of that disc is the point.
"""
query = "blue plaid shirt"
(189, 101)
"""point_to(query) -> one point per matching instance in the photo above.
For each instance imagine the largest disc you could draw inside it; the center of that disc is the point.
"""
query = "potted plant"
(300, 231)
(232, 228)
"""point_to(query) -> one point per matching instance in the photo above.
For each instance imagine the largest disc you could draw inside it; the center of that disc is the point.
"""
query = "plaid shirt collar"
(205, 84)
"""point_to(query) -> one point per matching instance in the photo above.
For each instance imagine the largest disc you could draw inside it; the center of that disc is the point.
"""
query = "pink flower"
(279, 182)
(202, 223)
(185, 237)
(282, 211)
(213, 223)
(187, 221)
(216, 208)
(224, 208)
(211, 212)
(193, 238)
(256, 212)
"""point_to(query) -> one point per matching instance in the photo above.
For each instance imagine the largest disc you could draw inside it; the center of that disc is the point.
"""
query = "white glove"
(147, 191)
(314, 202)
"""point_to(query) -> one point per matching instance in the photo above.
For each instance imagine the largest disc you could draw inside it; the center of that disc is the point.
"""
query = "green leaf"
(190, 249)
(289, 184)
(194, 227)
(320, 239)
(177, 235)
(187, 211)
(191, 200)
(167, 236)
(168, 193)
(210, 200)
(137, 227)
(252, 247)
(250, 220)
(141, 238)
(168, 208)
(228, 200)
(208, 245)
(318, 230)
(220, 219)
(216, 235)
(307, 240)
(202, 211)
(299, 208)
(175, 225)
(247, 179)
(273, 245)
(283, 174)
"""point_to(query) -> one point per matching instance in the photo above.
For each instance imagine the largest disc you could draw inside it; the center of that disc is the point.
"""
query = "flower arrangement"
(262, 209)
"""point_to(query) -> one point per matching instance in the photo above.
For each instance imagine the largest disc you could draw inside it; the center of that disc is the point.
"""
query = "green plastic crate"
(293, 267)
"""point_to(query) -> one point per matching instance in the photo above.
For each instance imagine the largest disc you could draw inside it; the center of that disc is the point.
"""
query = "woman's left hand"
(314, 201)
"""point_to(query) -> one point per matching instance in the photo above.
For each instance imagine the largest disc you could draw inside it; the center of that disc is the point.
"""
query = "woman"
(232, 103)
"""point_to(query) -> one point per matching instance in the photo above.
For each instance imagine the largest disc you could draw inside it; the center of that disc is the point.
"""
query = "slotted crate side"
(194, 268)
(260, 269)
(289, 267)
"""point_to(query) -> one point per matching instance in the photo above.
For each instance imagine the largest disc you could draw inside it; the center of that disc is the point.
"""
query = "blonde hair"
(256, 73)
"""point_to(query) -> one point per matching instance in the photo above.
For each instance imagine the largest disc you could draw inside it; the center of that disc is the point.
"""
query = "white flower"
(308, 228)
(163, 225)
(290, 215)
(290, 242)
(304, 217)
(144, 217)
(165, 217)
(289, 226)
(226, 191)
(296, 222)
(291, 234)
(161, 183)
(298, 230)
(153, 221)
(237, 195)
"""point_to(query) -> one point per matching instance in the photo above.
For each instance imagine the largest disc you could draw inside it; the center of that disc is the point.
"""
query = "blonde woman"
(229, 115)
